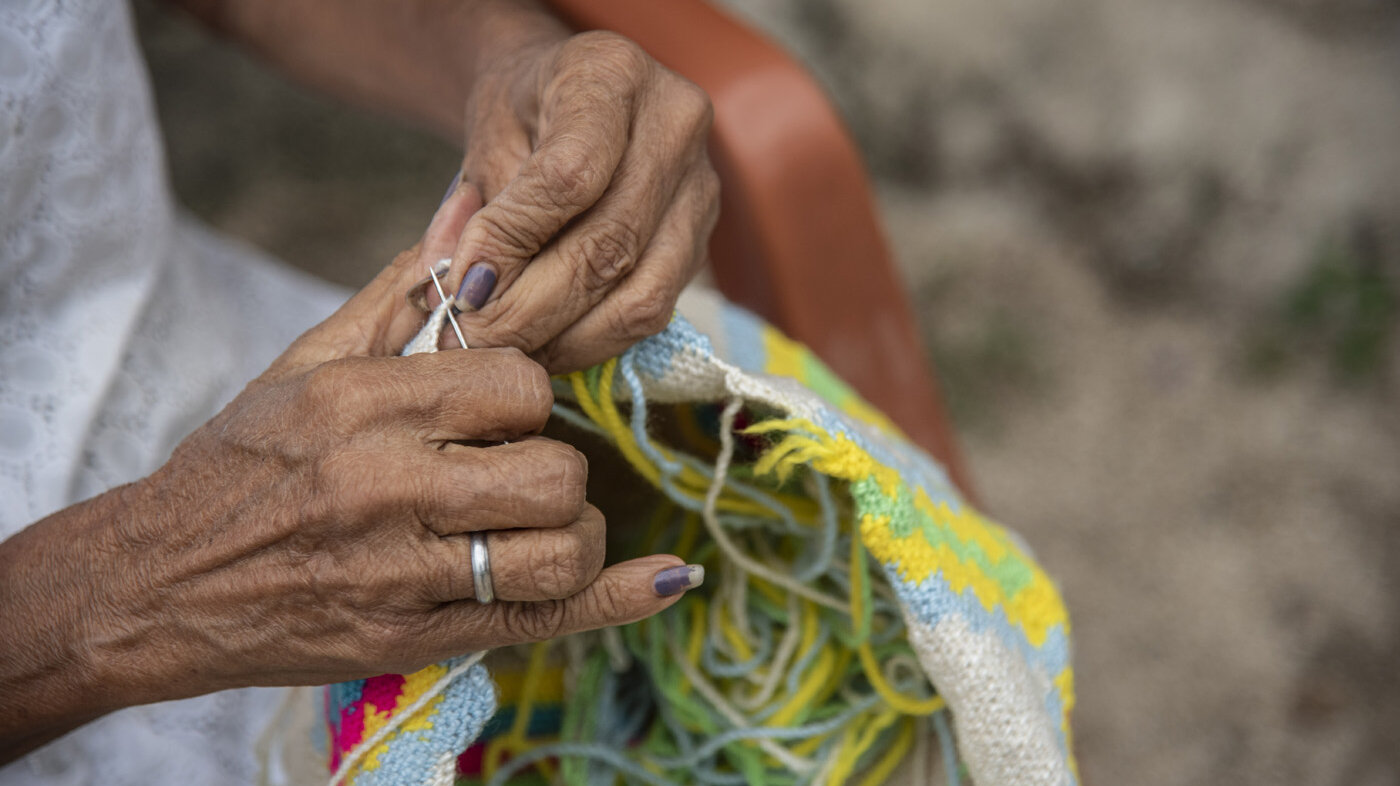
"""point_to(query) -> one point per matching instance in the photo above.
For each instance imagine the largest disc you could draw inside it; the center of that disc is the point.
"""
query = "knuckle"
(505, 233)
(552, 486)
(536, 396)
(569, 178)
(606, 255)
(644, 314)
(709, 186)
(533, 621)
(406, 258)
(615, 54)
(329, 389)
(559, 569)
(693, 106)
(521, 381)
(568, 477)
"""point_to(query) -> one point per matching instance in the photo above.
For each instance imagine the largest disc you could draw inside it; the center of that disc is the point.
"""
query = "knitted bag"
(796, 662)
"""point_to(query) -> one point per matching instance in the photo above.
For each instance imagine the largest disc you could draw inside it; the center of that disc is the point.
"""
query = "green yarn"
(1011, 574)
(686, 736)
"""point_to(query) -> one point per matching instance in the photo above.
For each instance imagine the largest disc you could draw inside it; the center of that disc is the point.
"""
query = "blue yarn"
(799, 668)
(826, 547)
(762, 652)
(474, 697)
(714, 744)
(945, 744)
(701, 755)
(672, 466)
(625, 367)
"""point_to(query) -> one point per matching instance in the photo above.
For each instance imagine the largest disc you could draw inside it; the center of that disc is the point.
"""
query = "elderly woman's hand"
(317, 530)
(591, 156)
(600, 199)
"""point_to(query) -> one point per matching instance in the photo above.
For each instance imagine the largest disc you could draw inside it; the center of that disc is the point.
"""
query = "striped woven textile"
(859, 620)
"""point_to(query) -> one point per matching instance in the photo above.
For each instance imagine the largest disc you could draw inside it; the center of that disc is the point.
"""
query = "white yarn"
(428, 338)
(701, 684)
(619, 659)
(995, 712)
(710, 516)
(777, 669)
(705, 688)
(444, 771)
(430, 335)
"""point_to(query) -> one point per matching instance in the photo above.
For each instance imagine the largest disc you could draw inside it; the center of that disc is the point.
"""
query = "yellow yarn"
(735, 638)
(414, 686)
(690, 531)
(696, 644)
(854, 745)
(882, 769)
(801, 444)
(603, 411)
(905, 704)
(1036, 608)
(808, 688)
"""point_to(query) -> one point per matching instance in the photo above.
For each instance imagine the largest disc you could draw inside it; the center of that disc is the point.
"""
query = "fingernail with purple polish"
(476, 287)
(456, 181)
(674, 581)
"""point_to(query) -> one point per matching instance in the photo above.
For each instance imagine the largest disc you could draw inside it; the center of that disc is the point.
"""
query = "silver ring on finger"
(481, 569)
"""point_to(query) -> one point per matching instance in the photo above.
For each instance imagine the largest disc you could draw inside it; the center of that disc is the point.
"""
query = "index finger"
(583, 135)
(486, 394)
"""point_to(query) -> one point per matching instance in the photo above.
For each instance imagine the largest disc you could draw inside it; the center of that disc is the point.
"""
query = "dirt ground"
(1155, 249)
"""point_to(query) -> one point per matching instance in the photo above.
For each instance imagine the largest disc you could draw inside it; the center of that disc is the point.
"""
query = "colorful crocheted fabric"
(857, 613)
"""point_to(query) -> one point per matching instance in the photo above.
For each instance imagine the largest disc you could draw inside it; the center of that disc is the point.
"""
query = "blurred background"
(1155, 251)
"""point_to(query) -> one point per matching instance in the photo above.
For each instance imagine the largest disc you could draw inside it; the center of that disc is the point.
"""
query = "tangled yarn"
(845, 575)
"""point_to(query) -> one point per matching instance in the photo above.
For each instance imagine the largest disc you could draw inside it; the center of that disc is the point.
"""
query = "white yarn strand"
(710, 515)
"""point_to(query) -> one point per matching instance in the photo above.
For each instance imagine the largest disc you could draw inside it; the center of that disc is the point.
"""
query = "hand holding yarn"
(600, 199)
(337, 493)
(318, 530)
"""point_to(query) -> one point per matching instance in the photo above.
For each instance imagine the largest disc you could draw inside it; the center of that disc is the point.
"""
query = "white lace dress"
(122, 327)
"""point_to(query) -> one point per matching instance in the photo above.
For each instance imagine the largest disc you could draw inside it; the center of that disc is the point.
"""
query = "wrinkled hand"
(317, 529)
(600, 199)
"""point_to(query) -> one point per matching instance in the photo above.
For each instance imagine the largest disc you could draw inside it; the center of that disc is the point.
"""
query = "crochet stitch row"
(798, 665)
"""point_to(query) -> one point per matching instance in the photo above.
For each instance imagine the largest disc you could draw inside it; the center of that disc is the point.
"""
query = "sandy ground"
(1155, 248)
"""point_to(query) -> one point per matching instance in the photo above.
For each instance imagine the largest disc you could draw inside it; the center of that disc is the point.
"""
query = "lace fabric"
(124, 325)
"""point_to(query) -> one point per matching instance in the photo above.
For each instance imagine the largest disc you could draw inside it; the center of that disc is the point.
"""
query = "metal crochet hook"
(451, 317)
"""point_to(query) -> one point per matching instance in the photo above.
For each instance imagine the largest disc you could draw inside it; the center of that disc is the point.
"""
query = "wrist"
(502, 35)
(81, 608)
(52, 678)
(501, 28)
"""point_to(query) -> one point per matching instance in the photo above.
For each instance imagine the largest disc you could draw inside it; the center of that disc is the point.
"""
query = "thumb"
(377, 320)
(624, 593)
